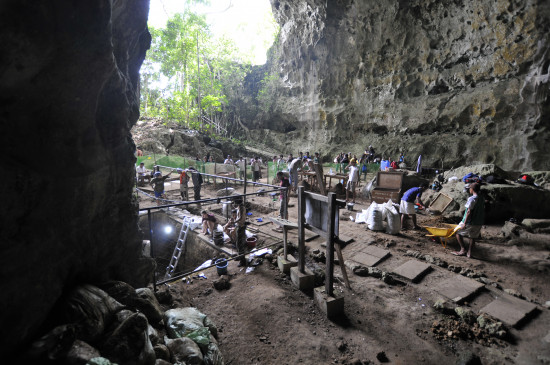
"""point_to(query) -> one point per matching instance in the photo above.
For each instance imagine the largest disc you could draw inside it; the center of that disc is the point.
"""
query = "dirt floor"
(264, 319)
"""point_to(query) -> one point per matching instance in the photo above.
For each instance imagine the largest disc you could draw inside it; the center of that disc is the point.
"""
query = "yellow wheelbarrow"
(444, 234)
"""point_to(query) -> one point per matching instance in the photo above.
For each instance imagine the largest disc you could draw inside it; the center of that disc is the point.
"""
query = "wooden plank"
(342, 266)
(320, 181)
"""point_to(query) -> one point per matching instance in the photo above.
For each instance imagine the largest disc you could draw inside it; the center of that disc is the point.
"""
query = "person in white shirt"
(241, 167)
(352, 179)
(293, 167)
(142, 174)
(228, 160)
(255, 163)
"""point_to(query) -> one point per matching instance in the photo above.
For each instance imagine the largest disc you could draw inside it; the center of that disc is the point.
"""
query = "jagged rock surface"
(459, 81)
(69, 90)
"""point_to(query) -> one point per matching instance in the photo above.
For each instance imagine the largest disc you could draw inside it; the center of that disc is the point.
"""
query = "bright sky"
(247, 22)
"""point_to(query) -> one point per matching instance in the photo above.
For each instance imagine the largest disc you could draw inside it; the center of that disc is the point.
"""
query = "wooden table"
(310, 176)
(335, 176)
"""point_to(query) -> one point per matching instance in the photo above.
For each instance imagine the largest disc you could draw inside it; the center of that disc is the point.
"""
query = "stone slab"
(412, 270)
(303, 281)
(345, 239)
(508, 309)
(285, 265)
(458, 288)
(331, 306)
(375, 251)
(365, 259)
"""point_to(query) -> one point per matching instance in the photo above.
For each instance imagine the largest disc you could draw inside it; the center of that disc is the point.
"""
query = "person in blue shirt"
(406, 208)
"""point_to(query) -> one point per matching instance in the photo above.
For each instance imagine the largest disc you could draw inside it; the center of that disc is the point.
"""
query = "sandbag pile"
(120, 325)
(375, 216)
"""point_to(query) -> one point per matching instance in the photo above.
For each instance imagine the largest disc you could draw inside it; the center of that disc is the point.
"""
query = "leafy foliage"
(188, 74)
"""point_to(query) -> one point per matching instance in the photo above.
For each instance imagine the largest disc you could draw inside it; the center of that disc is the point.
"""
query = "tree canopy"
(187, 74)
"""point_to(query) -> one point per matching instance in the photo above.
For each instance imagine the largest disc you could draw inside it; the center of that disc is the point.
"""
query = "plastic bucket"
(221, 266)
(251, 242)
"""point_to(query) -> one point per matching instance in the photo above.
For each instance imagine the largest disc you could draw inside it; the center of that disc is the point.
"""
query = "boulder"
(80, 353)
(149, 305)
(184, 350)
(536, 225)
(91, 309)
(129, 342)
(482, 170)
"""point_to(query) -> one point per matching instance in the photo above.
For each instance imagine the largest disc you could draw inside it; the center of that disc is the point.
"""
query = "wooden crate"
(388, 187)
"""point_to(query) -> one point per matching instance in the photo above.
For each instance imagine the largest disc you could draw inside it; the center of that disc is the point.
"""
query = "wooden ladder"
(180, 245)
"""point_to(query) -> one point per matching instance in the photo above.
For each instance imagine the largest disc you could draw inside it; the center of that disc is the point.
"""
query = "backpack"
(526, 179)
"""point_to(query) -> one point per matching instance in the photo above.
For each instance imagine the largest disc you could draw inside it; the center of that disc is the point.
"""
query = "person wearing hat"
(473, 219)
(184, 184)
(228, 160)
(142, 174)
(406, 207)
(158, 185)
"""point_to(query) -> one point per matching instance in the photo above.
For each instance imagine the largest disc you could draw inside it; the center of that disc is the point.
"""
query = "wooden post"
(342, 266)
(329, 280)
(215, 173)
(320, 178)
(244, 178)
(301, 233)
(285, 252)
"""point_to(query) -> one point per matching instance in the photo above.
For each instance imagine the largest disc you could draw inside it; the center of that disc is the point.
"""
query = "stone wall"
(457, 81)
(69, 90)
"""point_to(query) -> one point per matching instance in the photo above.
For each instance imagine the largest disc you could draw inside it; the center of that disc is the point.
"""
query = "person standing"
(158, 185)
(228, 160)
(473, 219)
(293, 167)
(240, 227)
(241, 166)
(281, 163)
(197, 182)
(184, 184)
(406, 208)
(283, 197)
(352, 180)
(255, 164)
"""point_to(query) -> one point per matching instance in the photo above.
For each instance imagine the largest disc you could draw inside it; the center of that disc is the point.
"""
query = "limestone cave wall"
(454, 80)
(69, 91)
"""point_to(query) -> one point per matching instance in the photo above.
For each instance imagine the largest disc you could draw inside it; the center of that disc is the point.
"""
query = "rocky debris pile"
(361, 270)
(530, 232)
(153, 135)
(117, 324)
(465, 325)
(504, 200)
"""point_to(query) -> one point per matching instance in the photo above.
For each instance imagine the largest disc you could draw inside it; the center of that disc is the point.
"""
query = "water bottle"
(330, 171)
